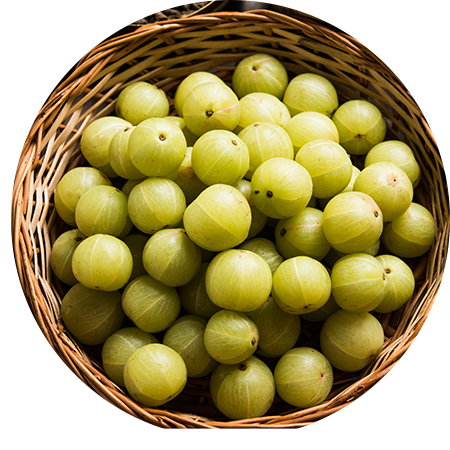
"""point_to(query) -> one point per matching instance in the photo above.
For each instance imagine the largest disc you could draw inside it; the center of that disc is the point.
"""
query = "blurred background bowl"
(429, 58)
(99, 29)
(54, 59)
(369, 26)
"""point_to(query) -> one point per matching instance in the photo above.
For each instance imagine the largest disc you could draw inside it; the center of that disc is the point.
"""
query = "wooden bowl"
(56, 59)
(368, 26)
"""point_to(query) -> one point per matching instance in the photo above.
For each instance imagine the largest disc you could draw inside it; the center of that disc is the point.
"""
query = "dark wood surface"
(46, 399)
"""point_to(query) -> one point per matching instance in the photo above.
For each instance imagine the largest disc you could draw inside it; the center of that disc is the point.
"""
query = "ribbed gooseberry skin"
(238, 280)
(218, 219)
(244, 390)
(352, 222)
(155, 374)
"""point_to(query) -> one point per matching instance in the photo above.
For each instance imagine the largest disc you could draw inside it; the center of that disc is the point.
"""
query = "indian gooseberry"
(218, 219)
(136, 243)
(154, 374)
(97, 137)
(194, 298)
(188, 84)
(303, 377)
(259, 219)
(211, 106)
(265, 140)
(181, 123)
(140, 101)
(243, 391)
(281, 187)
(351, 340)
(278, 330)
(265, 248)
(185, 336)
(219, 156)
(333, 255)
(102, 210)
(400, 283)
(389, 186)
(239, 280)
(119, 156)
(62, 253)
(157, 147)
(119, 347)
(102, 262)
(187, 179)
(308, 126)
(358, 282)
(156, 203)
(361, 126)
(301, 284)
(171, 257)
(321, 314)
(412, 234)
(90, 315)
(399, 153)
(71, 188)
(262, 107)
(150, 305)
(302, 235)
(352, 222)
(260, 72)
(130, 184)
(328, 164)
(311, 92)
(231, 336)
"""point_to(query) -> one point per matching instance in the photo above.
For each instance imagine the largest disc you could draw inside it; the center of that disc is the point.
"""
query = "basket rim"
(27, 271)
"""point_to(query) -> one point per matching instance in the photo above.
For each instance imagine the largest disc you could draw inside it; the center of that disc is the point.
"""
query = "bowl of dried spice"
(105, 19)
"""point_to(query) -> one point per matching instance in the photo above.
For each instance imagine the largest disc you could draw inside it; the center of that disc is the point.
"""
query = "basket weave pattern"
(163, 54)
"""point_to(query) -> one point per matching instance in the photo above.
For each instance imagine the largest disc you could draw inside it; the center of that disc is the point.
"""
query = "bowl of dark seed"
(106, 19)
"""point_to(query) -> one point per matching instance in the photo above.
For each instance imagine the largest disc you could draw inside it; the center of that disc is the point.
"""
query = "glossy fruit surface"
(155, 374)
(358, 282)
(244, 390)
(238, 280)
(412, 234)
(157, 147)
(150, 305)
(266, 248)
(350, 340)
(304, 377)
(218, 219)
(352, 222)
(140, 101)
(185, 336)
(211, 106)
(300, 285)
(400, 283)
(171, 257)
(62, 253)
(219, 156)
(389, 186)
(231, 336)
(119, 347)
(102, 262)
(156, 203)
(91, 316)
(302, 235)
(328, 164)
(260, 73)
(281, 188)
(311, 92)
(71, 188)
(360, 125)
(136, 243)
(278, 330)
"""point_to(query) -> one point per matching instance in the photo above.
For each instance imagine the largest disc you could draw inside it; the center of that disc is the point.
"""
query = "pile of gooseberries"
(202, 234)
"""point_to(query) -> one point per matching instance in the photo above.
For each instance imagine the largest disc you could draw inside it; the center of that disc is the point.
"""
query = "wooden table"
(46, 399)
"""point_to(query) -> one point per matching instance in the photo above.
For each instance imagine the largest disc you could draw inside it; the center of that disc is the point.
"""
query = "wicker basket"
(164, 53)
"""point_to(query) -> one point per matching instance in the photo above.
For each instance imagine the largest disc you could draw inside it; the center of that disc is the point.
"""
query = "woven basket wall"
(164, 53)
